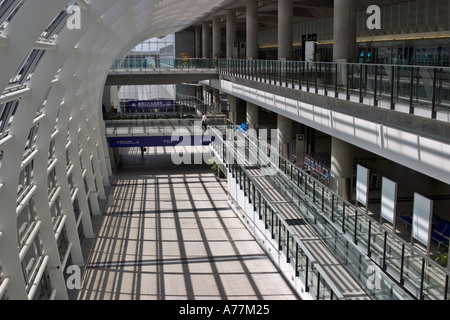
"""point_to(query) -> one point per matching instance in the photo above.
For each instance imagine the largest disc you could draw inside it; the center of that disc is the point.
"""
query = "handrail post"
(360, 83)
(292, 74)
(307, 76)
(300, 70)
(433, 101)
(369, 235)
(316, 90)
(392, 87)
(318, 286)
(336, 80)
(411, 91)
(279, 71)
(306, 275)
(348, 81)
(285, 63)
(343, 217)
(375, 101)
(422, 279)
(402, 263)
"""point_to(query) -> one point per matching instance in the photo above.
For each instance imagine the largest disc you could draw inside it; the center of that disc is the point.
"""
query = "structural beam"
(83, 4)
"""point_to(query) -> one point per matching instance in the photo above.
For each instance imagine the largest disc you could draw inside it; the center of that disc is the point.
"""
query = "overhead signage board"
(362, 182)
(150, 104)
(388, 200)
(157, 141)
(421, 222)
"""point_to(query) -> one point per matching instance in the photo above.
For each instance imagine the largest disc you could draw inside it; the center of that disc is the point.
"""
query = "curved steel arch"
(70, 76)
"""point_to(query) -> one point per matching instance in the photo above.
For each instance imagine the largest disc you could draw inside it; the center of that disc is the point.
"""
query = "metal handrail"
(311, 258)
(413, 85)
(158, 64)
(358, 212)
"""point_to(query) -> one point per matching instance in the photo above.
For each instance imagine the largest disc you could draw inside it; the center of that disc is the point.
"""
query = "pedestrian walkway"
(170, 234)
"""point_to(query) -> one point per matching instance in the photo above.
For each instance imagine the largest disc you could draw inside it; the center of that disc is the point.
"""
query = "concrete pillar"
(206, 96)
(252, 116)
(216, 38)
(344, 50)
(198, 92)
(233, 107)
(252, 29)
(300, 148)
(110, 98)
(231, 34)
(216, 101)
(285, 29)
(284, 126)
(198, 41)
(341, 167)
(206, 40)
(344, 31)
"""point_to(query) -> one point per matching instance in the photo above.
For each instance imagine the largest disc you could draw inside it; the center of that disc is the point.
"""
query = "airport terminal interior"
(224, 150)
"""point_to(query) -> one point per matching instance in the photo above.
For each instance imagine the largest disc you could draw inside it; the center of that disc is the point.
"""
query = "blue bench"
(407, 219)
(441, 233)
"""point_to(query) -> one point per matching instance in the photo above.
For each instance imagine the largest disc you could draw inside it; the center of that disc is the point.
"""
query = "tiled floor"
(171, 235)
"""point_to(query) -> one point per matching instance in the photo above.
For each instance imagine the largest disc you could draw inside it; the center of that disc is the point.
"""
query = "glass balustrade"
(421, 90)
(344, 227)
(147, 65)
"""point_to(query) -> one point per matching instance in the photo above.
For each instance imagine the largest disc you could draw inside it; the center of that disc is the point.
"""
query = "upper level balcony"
(418, 90)
(160, 71)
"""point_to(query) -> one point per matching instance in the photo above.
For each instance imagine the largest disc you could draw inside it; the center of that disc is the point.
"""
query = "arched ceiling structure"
(51, 85)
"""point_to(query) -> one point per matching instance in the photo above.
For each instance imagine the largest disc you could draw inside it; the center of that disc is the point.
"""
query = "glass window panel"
(31, 139)
(7, 113)
(44, 289)
(56, 213)
(31, 260)
(8, 9)
(376, 241)
(51, 182)
(412, 268)
(26, 221)
(25, 180)
(62, 243)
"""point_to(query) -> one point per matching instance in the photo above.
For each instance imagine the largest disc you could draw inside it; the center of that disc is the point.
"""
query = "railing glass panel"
(411, 269)
(420, 90)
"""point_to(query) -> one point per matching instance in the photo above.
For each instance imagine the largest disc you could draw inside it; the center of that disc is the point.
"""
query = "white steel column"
(96, 161)
(66, 200)
(20, 40)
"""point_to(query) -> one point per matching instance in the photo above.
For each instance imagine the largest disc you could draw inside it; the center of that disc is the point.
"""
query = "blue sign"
(150, 104)
(158, 141)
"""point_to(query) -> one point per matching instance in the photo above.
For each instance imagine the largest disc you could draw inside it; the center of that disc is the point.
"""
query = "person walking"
(204, 121)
